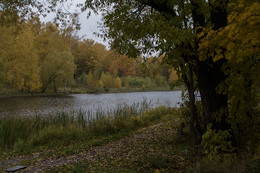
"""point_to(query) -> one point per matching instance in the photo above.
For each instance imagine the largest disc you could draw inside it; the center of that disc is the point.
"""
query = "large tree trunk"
(209, 76)
(209, 73)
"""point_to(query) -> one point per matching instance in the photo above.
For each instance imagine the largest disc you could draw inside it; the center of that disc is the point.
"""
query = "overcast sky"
(88, 26)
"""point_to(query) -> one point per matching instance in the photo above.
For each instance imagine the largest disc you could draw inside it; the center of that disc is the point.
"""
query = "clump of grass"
(63, 128)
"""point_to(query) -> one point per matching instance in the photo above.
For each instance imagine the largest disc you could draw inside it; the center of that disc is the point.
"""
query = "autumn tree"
(98, 52)
(13, 12)
(107, 80)
(23, 70)
(175, 28)
(173, 76)
(83, 59)
(57, 69)
(117, 82)
(123, 66)
(238, 44)
(142, 69)
(156, 65)
(6, 48)
(93, 83)
(88, 55)
(45, 40)
(105, 62)
(56, 60)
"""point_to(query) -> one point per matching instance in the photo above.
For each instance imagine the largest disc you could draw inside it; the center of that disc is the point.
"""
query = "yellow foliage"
(23, 70)
(92, 83)
(173, 76)
(58, 67)
(107, 80)
(117, 82)
(240, 38)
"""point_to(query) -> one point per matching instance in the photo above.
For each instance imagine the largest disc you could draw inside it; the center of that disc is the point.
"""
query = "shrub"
(139, 82)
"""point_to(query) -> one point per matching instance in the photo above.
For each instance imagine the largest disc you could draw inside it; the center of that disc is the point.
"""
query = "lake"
(44, 105)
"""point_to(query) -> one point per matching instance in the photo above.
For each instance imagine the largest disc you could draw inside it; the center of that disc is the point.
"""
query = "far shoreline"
(110, 91)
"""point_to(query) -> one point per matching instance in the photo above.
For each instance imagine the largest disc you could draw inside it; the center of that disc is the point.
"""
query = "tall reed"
(68, 126)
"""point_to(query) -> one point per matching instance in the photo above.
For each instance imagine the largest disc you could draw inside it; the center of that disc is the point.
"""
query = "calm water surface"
(44, 105)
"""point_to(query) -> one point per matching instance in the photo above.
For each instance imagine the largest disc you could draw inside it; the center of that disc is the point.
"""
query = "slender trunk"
(54, 87)
(194, 125)
(188, 76)
(44, 89)
(65, 85)
(51, 78)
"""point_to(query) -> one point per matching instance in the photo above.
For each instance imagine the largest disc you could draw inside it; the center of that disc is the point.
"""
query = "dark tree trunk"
(194, 125)
(209, 76)
(44, 89)
(209, 73)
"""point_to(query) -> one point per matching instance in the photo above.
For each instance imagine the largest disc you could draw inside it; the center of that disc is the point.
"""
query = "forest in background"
(40, 57)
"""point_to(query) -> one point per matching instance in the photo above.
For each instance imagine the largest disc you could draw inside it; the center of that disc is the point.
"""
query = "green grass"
(25, 134)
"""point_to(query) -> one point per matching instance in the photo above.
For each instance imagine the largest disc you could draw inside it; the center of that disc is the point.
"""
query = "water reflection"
(44, 105)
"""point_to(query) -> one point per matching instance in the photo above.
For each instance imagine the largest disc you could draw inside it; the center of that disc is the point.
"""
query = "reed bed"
(65, 127)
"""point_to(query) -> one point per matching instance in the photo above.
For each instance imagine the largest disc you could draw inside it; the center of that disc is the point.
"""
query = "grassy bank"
(128, 139)
(26, 134)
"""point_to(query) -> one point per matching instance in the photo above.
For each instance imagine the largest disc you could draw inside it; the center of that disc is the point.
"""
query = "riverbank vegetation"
(128, 139)
(21, 134)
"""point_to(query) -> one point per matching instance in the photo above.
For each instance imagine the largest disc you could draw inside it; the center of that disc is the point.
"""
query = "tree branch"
(162, 6)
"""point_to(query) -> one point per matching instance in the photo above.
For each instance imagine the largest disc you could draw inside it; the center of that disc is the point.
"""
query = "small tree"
(107, 80)
(92, 83)
(117, 82)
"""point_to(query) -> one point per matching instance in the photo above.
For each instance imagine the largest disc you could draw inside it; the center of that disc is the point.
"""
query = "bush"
(139, 82)
(83, 79)
(228, 164)
(159, 80)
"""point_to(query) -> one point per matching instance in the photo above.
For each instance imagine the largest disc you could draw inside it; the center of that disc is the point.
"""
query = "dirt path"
(144, 146)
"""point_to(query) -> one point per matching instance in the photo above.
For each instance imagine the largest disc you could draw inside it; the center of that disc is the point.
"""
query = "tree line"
(37, 56)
